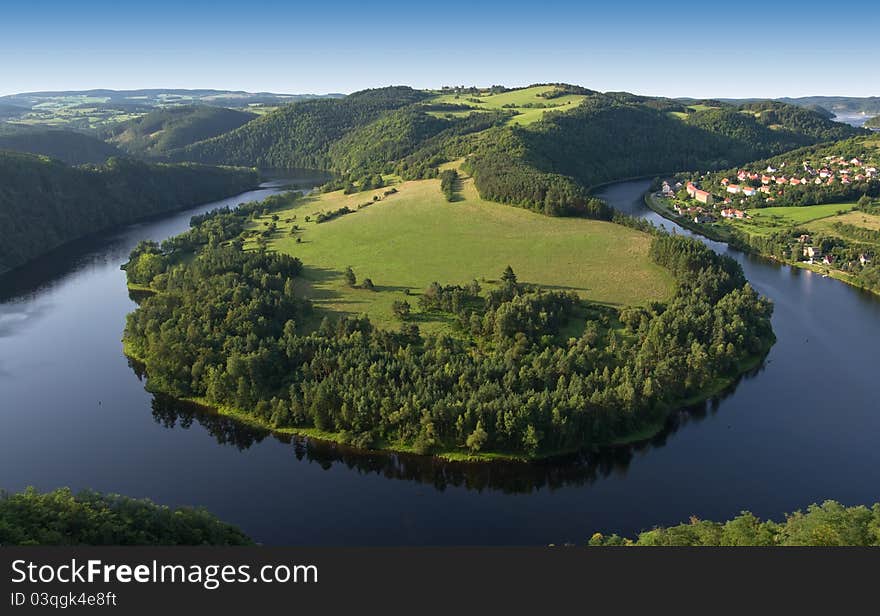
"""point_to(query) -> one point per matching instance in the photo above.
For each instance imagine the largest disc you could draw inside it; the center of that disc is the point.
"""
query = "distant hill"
(8, 111)
(65, 145)
(873, 122)
(163, 130)
(300, 134)
(157, 97)
(45, 203)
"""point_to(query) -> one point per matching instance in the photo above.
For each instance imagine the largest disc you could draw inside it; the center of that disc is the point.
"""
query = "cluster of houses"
(813, 254)
(833, 169)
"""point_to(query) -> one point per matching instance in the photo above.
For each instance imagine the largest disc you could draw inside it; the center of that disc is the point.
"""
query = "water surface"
(73, 412)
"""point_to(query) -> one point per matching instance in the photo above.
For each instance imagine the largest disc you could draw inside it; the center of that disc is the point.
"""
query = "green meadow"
(408, 240)
(765, 221)
(515, 100)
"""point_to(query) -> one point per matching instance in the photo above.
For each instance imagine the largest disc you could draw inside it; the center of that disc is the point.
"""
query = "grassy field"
(408, 240)
(765, 221)
(518, 99)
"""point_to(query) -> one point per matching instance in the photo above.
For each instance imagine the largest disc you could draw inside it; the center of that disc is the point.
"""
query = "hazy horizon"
(790, 49)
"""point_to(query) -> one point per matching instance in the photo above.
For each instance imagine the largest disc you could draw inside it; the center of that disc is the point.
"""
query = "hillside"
(164, 130)
(873, 122)
(68, 146)
(45, 203)
(537, 147)
(402, 243)
(299, 134)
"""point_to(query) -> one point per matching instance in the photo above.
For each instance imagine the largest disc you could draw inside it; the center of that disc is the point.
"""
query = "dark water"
(73, 412)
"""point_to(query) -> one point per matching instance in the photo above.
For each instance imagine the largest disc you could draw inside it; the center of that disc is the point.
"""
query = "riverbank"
(641, 435)
(721, 235)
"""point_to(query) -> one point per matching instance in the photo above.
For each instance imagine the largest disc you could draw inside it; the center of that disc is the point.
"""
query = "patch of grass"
(764, 221)
(515, 100)
(414, 237)
(857, 219)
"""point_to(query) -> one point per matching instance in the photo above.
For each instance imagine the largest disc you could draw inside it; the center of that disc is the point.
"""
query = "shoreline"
(650, 201)
(643, 434)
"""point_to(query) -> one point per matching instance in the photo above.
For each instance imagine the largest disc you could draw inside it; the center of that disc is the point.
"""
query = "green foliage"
(828, 524)
(65, 145)
(44, 204)
(300, 134)
(223, 328)
(162, 131)
(449, 183)
(90, 518)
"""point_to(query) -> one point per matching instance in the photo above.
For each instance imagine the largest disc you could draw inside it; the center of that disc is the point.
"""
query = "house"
(766, 179)
(748, 191)
(828, 259)
(782, 180)
(732, 213)
(742, 175)
(804, 239)
(725, 182)
(700, 195)
(812, 252)
(864, 259)
(766, 189)
(733, 188)
(794, 181)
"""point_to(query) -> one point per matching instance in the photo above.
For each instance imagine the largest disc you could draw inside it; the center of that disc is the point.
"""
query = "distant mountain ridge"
(157, 96)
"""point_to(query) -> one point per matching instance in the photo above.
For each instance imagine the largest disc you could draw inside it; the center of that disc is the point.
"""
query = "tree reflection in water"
(583, 468)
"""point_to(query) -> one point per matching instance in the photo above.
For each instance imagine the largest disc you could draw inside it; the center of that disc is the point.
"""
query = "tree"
(477, 438)
(350, 278)
(368, 284)
(401, 309)
(508, 277)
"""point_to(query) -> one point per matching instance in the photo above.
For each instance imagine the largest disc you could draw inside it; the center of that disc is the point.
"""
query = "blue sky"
(676, 48)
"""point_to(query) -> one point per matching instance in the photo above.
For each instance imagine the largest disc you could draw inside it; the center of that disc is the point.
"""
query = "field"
(408, 240)
(856, 219)
(765, 221)
(516, 100)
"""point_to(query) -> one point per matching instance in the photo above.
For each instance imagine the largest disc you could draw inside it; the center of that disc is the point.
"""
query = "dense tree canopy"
(828, 524)
(162, 131)
(227, 327)
(45, 203)
(65, 145)
(91, 518)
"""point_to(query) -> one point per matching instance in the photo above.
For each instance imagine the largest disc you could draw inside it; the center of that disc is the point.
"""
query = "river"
(73, 412)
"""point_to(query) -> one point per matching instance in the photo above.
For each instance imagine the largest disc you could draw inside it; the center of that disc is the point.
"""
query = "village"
(770, 182)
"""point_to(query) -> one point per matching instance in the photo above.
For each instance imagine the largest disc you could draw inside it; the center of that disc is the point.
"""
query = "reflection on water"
(579, 469)
(74, 412)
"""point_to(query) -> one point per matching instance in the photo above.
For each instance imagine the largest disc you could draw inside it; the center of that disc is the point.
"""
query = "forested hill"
(534, 147)
(163, 130)
(615, 136)
(45, 203)
(65, 145)
(300, 134)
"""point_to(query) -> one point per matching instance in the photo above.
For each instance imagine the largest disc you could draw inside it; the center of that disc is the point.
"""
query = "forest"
(162, 131)
(227, 328)
(828, 524)
(300, 134)
(61, 517)
(45, 203)
(65, 145)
